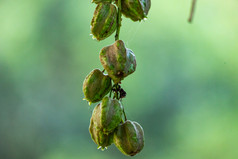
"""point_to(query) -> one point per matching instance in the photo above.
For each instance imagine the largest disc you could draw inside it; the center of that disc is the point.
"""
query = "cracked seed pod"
(108, 114)
(101, 139)
(96, 85)
(129, 138)
(104, 21)
(101, 1)
(118, 61)
(135, 9)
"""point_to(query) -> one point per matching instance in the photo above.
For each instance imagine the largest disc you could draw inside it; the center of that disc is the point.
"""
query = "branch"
(190, 19)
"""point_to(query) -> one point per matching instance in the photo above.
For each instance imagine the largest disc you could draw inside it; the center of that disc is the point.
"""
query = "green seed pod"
(96, 85)
(129, 138)
(101, 139)
(118, 61)
(104, 21)
(100, 1)
(135, 9)
(108, 114)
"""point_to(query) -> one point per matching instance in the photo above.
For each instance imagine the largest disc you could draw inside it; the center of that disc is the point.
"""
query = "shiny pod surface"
(118, 61)
(96, 85)
(104, 21)
(129, 138)
(99, 137)
(108, 114)
(135, 9)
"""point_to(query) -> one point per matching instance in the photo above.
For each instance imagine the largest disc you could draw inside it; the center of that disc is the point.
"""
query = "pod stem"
(124, 114)
(118, 20)
(116, 93)
(110, 94)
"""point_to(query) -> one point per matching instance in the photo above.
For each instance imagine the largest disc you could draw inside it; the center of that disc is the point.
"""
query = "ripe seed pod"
(135, 9)
(100, 1)
(96, 85)
(108, 114)
(118, 61)
(104, 21)
(129, 138)
(101, 139)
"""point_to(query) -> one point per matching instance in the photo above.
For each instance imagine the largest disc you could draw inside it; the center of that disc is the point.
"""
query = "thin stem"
(116, 95)
(190, 19)
(124, 114)
(118, 20)
(110, 94)
(116, 92)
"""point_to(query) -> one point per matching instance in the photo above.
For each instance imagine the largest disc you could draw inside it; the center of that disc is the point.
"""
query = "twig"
(190, 19)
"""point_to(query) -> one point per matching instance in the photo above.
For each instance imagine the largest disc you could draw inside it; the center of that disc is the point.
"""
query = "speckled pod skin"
(99, 137)
(104, 21)
(129, 138)
(136, 10)
(96, 85)
(118, 61)
(101, 1)
(108, 114)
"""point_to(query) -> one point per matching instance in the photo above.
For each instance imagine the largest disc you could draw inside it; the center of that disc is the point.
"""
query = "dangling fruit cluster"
(107, 124)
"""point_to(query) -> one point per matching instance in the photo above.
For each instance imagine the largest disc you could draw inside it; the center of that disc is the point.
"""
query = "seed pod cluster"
(107, 124)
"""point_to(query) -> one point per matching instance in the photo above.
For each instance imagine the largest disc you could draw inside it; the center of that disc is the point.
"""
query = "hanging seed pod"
(135, 9)
(96, 85)
(101, 139)
(129, 138)
(108, 114)
(104, 21)
(118, 61)
(101, 1)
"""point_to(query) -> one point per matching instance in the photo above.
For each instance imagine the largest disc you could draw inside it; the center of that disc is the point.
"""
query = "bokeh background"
(184, 92)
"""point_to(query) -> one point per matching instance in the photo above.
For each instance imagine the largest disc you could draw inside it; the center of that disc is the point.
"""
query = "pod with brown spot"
(118, 61)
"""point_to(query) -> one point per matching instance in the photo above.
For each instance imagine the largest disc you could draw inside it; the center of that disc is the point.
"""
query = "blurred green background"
(184, 92)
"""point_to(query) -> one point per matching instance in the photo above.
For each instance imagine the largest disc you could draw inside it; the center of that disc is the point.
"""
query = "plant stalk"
(190, 19)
